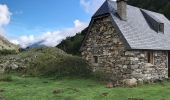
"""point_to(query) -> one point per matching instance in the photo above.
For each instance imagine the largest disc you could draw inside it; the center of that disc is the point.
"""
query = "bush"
(52, 61)
(5, 78)
(7, 52)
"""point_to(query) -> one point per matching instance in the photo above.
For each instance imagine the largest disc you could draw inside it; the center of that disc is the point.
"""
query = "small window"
(95, 59)
(150, 57)
(161, 27)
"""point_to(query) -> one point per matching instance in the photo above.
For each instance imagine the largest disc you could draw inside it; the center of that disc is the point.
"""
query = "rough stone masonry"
(105, 51)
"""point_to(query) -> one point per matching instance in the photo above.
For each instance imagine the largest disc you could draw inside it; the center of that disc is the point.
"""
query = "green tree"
(72, 45)
(161, 6)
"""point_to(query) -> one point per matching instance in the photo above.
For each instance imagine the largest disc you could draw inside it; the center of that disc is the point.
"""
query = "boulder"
(130, 82)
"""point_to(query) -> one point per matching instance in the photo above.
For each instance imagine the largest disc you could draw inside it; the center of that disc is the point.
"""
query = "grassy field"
(33, 88)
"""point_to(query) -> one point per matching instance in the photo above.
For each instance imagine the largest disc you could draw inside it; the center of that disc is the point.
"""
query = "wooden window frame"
(150, 57)
(96, 59)
(161, 27)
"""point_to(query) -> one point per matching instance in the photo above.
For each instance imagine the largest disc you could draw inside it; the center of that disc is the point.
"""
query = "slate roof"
(136, 31)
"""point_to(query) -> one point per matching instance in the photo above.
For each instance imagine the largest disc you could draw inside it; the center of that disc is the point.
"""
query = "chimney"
(122, 9)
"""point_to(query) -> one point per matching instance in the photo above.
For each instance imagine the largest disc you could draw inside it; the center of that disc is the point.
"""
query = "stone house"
(127, 42)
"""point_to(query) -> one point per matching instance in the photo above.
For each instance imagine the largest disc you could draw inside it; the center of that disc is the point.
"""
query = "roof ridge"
(104, 8)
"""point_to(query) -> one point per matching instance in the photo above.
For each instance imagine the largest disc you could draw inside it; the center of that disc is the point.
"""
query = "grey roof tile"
(136, 30)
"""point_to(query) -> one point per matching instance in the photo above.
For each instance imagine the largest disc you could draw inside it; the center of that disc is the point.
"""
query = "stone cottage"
(127, 42)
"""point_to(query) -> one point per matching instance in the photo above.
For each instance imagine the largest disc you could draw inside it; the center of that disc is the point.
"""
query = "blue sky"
(29, 21)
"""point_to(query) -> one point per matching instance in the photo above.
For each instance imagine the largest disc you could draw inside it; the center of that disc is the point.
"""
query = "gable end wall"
(115, 61)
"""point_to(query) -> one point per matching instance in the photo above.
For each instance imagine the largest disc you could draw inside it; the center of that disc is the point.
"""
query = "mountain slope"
(5, 44)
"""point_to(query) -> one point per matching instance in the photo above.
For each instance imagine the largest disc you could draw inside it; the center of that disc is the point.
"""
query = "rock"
(13, 66)
(109, 85)
(142, 55)
(58, 91)
(130, 82)
(148, 65)
(129, 53)
(125, 66)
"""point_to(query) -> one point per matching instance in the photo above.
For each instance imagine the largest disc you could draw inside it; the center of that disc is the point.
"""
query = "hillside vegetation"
(45, 62)
(6, 45)
(72, 45)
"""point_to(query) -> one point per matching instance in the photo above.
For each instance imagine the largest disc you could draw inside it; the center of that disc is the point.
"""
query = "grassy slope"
(78, 89)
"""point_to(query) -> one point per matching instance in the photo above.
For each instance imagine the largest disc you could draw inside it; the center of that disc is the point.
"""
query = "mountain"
(6, 45)
(38, 44)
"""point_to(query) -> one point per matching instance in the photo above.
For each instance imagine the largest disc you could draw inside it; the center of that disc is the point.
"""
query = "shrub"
(52, 61)
(7, 52)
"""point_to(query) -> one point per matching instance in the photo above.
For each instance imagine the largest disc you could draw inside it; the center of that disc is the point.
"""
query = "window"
(95, 59)
(161, 27)
(150, 57)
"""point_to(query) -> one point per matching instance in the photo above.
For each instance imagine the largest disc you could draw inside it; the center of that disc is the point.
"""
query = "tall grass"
(53, 61)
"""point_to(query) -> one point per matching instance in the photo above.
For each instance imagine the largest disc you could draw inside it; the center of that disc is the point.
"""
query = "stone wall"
(115, 61)
(144, 71)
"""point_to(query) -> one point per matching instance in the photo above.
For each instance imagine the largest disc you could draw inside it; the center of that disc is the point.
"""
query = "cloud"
(51, 38)
(90, 6)
(5, 15)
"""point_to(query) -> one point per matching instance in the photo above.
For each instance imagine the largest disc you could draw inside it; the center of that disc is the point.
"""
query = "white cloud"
(91, 6)
(4, 17)
(50, 38)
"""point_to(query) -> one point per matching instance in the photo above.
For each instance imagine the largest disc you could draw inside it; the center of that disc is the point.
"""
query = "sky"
(25, 22)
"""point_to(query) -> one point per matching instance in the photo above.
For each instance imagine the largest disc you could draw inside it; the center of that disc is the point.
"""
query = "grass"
(34, 88)
(5, 78)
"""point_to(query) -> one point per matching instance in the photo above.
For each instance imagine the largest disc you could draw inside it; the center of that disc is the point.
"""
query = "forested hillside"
(72, 45)
(161, 6)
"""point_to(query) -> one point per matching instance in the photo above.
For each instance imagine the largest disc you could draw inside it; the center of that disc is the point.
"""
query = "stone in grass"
(58, 91)
(109, 85)
(130, 82)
